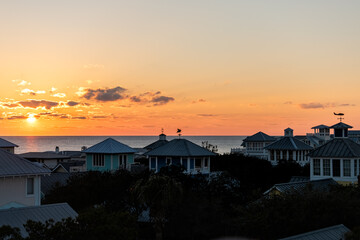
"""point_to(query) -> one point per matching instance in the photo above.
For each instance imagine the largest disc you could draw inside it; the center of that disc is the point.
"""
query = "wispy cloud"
(21, 82)
(161, 100)
(316, 105)
(104, 94)
(38, 104)
(31, 92)
(59, 95)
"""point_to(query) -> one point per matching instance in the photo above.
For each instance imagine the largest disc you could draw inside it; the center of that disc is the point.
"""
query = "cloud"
(78, 117)
(104, 95)
(31, 92)
(10, 105)
(99, 117)
(59, 95)
(161, 100)
(207, 115)
(16, 117)
(21, 82)
(39, 103)
(323, 105)
(72, 103)
(135, 99)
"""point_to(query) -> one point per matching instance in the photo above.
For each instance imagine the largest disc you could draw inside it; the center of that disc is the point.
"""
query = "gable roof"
(13, 165)
(17, 217)
(110, 146)
(318, 185)
(338, 147)
(330, 233)
(5, 143)
(259, 137)
(288, 143)
(180, 148)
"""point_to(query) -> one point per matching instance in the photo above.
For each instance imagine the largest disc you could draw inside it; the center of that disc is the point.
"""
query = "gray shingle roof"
(17, 217)
(336, 232)
(13, 165)
(259, 137)
(43, 155)
(110, 146)
(341, 125)
(6, 143)
(322, 126)
(338, 147)
(181, 148)
(318, 185)
(288, 143)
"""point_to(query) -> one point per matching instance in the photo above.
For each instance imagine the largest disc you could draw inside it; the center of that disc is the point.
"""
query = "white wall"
(13, 190)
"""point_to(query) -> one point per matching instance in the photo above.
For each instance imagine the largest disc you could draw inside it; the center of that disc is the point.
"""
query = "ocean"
(74, 143)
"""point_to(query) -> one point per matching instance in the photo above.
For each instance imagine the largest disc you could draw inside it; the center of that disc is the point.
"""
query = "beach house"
(288, 148)
(254, 145)
(20, 181)
(7, 146)
(109, 155)
(338, 158)
(194, 158)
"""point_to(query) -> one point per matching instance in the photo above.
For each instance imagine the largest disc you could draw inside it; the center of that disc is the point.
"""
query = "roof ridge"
(349, 147)
(293, 143)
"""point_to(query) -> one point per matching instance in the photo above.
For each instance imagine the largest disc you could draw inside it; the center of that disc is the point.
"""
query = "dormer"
(288, 132)
(162, 137)
(341, 130)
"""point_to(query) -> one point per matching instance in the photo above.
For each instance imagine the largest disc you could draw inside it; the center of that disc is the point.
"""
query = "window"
(122, 161)
(205, 162)
(346, 168)
(336, 167)
(326, 167)
(356, 173)
(168, 161)
(197, 162)
(98, 160)
(316, 167)
(153, 163)
(30, 186)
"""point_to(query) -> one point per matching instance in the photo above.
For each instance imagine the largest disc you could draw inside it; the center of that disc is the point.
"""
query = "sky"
(208, 67)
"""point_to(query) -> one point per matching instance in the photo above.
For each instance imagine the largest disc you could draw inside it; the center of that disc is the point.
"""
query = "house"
(162, 140)
(288, 148)
(337, 159)
(255, 144)
(50, 159)
(20, 181)
(109, 155)
(336, 232)
(17, 217)
(192, 157)
(7, 146)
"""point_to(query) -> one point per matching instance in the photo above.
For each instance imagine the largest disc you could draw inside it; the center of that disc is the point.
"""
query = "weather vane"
(339, 114)
(178, 132)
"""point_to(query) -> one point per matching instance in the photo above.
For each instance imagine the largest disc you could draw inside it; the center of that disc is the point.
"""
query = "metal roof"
(56, 179)
(43, 155)
(156, 144)
(288, 143)
(14, 165)
(110, 146)
(17, 217)
(336, 232)
(6, 143)
(259, 137)
(322, 126)
(341, 125)
(318, 185)
(181, 148)
(299, 179)
(337, 147)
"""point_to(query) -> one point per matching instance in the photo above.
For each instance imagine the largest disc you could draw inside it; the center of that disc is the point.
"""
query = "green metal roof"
(338, 148)
(180, 147)
(110, 146)
(288, 143)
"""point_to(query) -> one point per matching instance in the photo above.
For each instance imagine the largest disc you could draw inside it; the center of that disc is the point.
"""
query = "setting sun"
(31, 119)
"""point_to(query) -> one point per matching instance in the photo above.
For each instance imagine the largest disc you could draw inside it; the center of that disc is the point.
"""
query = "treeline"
(172, 205)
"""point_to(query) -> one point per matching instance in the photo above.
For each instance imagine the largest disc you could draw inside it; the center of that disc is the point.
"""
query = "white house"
(20, 182)
(338, 158)
(255, 144)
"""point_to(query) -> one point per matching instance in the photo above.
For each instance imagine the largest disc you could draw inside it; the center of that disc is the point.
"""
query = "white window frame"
(326, 167)
(347, 169)
(317, 166)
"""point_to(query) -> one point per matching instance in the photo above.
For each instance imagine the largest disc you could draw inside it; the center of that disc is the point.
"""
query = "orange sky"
(207, 67)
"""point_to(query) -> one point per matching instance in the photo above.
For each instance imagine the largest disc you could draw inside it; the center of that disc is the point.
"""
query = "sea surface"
(74, 143)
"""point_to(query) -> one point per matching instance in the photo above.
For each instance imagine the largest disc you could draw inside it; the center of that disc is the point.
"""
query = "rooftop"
(110, 146)
(338, 147)
(5, 143)
(288, 143)
(43, 155)
(336, 232)
(259, 137)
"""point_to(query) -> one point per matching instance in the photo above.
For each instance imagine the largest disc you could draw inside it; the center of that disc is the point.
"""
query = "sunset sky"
(226, 67)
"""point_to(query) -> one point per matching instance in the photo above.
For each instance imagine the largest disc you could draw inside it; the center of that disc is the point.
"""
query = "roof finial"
(162, 130)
